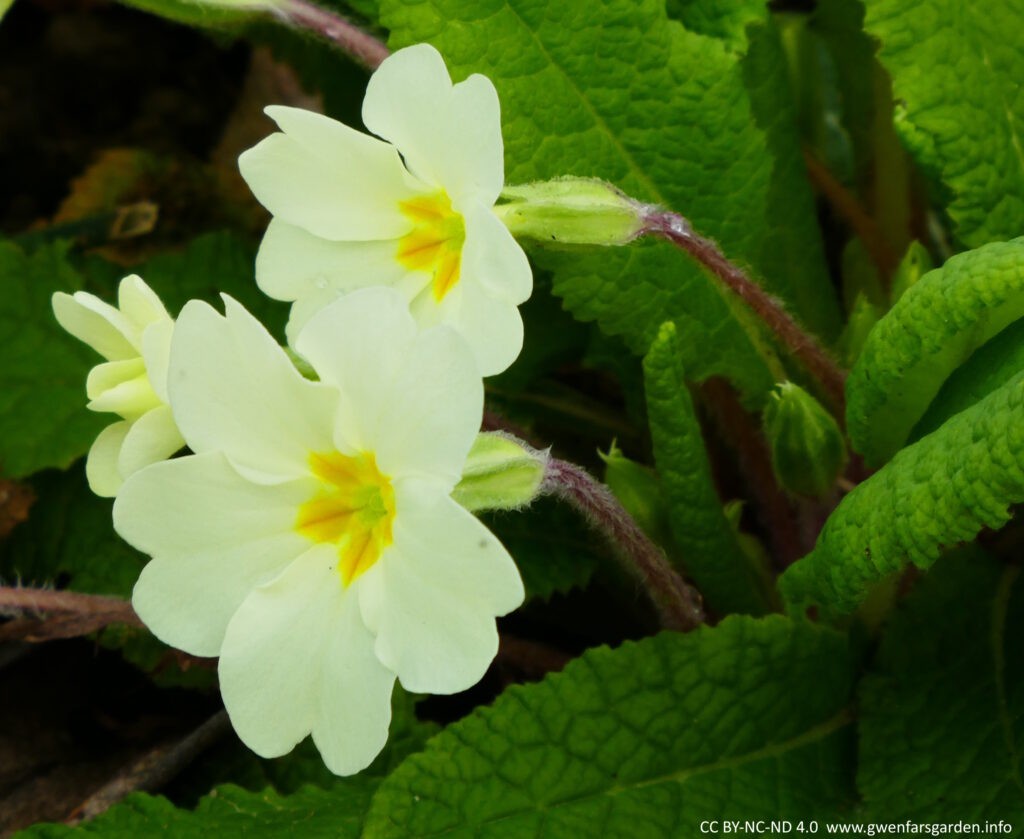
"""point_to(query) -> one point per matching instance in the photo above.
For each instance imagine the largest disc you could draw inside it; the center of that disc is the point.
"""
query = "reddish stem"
(362, 46)
(678, 604)
(826, 372)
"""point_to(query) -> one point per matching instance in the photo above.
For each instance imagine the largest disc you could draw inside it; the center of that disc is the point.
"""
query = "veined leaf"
(956, 69)
(310, 813)
(942, 705)
(748, 719)
(727, 21)
(933, 495)
(664, 114)
(725, 575)
(932, 330)
(43, 420)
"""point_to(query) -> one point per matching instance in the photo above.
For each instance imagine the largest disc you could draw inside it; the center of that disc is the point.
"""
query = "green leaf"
(727, 21)
(554, 548)
(5, 5)
(665, 115)
(991, 366)
(933, 495)
(932, 330)
(310, 813)
(749, 719)
(942, 705)
(725, 575)
(43, 419)
(69, 536)
(956, 69)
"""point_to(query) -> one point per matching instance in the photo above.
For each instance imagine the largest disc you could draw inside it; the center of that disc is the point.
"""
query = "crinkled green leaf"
(230, 811)
(43, 420)
(932, 330)
(942, 706)
(554, 548)
(933, 495)
(956, 70)
(991, 366)
(749, 719)
(727, 21)
(725, 575)
(664, 114)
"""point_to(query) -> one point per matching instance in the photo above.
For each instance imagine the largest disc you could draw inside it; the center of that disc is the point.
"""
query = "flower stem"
(805, 348)
(362, 46)
(679, 604)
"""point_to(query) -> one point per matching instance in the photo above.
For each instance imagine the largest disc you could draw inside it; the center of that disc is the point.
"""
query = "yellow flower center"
(435, 243)
(353, 509)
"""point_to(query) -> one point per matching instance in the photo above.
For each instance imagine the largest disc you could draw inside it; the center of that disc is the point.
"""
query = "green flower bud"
(572, 211)
(915, 264)
(808, 450)
(501, 473)
(863, 317)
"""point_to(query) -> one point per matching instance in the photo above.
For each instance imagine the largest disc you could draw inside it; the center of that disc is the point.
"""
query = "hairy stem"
(362, 46)
(805, 348)
(679, 605)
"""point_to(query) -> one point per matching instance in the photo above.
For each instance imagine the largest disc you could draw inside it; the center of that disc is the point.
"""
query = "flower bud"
(572, 211)
(915, 264)
(808, 451)
(638, 489)
(501, 473)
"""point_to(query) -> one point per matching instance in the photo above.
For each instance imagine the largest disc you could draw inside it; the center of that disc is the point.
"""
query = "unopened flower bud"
(501, 473)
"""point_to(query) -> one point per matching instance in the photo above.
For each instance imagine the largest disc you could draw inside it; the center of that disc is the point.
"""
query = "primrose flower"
(135, 340)
(348, 213)
(311, 541)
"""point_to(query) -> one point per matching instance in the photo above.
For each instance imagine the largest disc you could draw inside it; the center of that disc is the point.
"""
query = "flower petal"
(493, 259)
(359, 345)
(139, 303)
(335, 182)
(434, 409)
(153, 437)
(455, 550)
(294, 265)
(296, 659)
(214, 537)
(156, 353)
(450, 136)
(406, 97)
(355, 698)
(432, 598)
(492, 327)
(101, 465)
(95, 323)
(232, 388)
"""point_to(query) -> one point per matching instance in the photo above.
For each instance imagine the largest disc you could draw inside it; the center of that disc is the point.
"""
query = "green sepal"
(501, 473)
(571, 211)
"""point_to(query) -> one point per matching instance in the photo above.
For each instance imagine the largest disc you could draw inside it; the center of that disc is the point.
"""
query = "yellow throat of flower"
(435, 243)
(353, 509)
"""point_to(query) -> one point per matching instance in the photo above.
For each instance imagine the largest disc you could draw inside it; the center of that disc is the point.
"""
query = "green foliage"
(311, 813)
(68, 538)
(808, 452)
(43, 421)
(729, 580)
(750, 719)
(956, 69)
(932, 495)
(554, 549)
(942, 705)
(727, 21)
(666, 115)
(932, 330)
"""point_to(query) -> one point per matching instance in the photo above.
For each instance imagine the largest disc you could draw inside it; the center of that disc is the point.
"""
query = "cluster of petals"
(135, 338)
(413, 210)
(310, 540)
